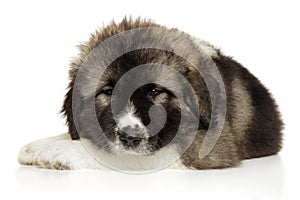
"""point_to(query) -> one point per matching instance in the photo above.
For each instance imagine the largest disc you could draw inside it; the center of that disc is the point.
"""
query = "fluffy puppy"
(252, 126)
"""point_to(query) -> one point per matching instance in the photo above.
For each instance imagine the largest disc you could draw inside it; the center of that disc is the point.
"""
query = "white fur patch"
(132, 162)
(178, 165)
(59, 152)
(205, 47)
(129, 119)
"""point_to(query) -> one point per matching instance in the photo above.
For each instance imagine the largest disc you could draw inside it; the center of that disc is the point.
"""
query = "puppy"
(158, 103)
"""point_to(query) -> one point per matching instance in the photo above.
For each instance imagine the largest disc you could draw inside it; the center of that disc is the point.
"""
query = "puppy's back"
(262, 135)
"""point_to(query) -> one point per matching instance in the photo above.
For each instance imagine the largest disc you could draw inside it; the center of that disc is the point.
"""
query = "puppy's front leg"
(59, 152)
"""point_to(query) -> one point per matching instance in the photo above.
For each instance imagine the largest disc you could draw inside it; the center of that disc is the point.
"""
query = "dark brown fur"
(261, 137)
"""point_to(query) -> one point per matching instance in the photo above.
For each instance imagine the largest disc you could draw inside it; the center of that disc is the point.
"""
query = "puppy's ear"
(204, 104)
(204, 100)
(68, 113)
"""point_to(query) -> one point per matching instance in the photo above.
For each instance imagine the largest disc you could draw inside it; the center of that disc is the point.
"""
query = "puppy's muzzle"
(132, 137)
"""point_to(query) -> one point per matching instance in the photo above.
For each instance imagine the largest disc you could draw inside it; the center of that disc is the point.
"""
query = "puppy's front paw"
(44, 153)
(26, 156)
(53, 159)
(59, 152)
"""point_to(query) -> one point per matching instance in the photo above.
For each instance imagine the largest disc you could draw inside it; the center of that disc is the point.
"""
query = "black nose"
(128, 140)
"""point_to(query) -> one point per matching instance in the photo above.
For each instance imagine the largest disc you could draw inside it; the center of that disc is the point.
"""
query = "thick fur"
(252, 124)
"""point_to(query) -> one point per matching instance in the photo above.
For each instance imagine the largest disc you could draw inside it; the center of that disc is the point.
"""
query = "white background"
(37, 40)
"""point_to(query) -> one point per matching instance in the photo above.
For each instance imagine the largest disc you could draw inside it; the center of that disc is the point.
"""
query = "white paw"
(58, 152)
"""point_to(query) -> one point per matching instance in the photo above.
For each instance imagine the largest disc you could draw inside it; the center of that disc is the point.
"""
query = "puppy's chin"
(119, 149)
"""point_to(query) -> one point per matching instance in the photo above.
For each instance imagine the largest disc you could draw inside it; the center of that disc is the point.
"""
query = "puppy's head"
(150, 118)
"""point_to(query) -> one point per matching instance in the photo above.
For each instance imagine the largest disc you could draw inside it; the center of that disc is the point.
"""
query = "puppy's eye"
(106, 91)
(155, 92)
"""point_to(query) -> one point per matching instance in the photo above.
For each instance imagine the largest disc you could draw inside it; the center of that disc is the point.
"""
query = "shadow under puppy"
(252, 125)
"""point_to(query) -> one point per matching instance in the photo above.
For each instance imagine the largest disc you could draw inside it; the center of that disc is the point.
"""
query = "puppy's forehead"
(163, 77)
(110, 76)
(136, 58)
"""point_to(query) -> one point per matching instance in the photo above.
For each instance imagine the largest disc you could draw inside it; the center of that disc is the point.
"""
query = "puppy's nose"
(129, 140)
